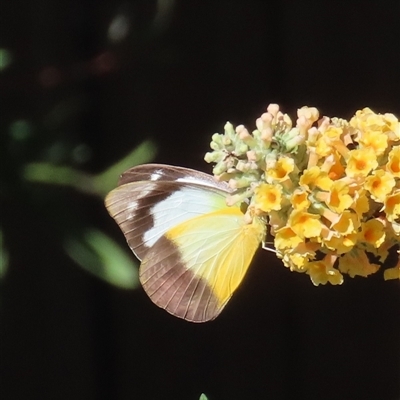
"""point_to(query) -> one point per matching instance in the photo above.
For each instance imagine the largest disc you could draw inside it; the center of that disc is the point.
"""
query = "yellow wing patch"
(218, 247)
(194, 268)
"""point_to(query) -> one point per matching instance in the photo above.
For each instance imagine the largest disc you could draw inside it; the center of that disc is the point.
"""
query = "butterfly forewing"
(146, 209)
(168, 173)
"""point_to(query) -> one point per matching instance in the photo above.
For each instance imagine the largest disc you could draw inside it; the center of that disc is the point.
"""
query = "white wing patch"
(131, 209)
(180, 206)
(156, 175)
(146, 189)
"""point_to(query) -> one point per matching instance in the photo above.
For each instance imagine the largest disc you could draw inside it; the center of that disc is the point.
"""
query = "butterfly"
(194, 248)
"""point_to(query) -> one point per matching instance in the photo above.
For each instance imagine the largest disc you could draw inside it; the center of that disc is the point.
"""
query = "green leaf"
(100, 255)
(59, 175)
(107, 180)
(98, 185)
(5, 58)
(203, 397)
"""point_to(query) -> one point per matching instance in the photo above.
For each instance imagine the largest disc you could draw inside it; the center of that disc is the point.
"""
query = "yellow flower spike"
(319, 207)
(303, 125)
(355, 263)
(309, 113)
(328, 188)
(321, 272)
(361, 162)
(286, 238)
(393, 126)
(297, 262)
(395, 228)
(268, 197)
(336, 170)
(392, 230)
(380, 184)
(327, 234)
(281, 170)
(304, 224)
(393, 164)
(341, 244)
(392, 273)
(333, 132)
(372, 232)
(299, 199)
(323, 124)
(323, 147)
(348, 222)
(312, 136)
(313, 157)
(382, 252)
(366, 120)
(360, 203)
(315, 177)
(333, 137)
(328, 141)
(287, 121)
(392, 206)
(347, 139)
(338, 199)
(378, 141)
(277, 220)
(341, 148)
(327, 163)
(298, 257)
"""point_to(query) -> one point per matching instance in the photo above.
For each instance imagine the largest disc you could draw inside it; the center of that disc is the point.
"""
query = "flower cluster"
(328, 188)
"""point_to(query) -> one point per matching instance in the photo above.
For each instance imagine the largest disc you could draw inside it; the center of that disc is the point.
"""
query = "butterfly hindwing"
(193, 270)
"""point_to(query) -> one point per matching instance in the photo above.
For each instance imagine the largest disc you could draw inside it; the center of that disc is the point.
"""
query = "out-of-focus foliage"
(90, 248)
(5, 59)
(95, 251)
(100, 255)
(101, 184)
(45, 150)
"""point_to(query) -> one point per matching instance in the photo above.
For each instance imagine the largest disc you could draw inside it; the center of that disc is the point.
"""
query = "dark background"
(175, 71)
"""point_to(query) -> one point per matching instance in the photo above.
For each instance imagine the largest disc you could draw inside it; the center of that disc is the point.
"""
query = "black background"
(68, 335)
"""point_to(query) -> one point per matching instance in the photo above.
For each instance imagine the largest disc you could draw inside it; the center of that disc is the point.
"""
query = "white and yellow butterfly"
(195, 250)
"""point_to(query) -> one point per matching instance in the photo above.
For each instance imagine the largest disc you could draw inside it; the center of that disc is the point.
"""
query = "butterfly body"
(195, 250)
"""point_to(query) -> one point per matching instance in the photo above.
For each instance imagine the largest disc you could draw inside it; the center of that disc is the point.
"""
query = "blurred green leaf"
(3, 256)
(107, 180)
(100, 255)
(59, 175)
(5, 59)
(203, 397)
(98, 185)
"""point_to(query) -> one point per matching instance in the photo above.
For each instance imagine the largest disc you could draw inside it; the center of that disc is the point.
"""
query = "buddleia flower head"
(328, 188)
